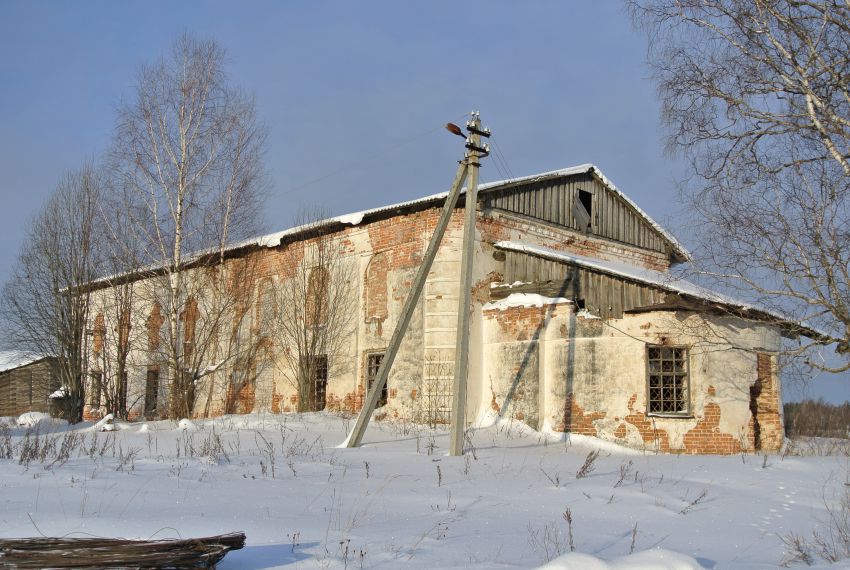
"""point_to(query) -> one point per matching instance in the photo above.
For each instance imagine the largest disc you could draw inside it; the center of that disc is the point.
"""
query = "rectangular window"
(373, 364)
(668, 383)
(320, 386)
(151, 391)
(583, 210)
(96, 387)
(586, 199)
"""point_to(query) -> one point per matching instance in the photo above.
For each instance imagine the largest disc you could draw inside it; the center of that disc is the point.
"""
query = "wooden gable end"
(563, 201)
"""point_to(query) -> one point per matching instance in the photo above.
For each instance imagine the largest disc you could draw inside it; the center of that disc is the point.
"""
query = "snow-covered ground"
(400, 500)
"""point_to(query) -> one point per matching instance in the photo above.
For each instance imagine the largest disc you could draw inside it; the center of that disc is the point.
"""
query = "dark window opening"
(151, 391)
(96, 387)
(667, 375)
(320, 385)
(373, 364)
(580, 304)
(586, 199)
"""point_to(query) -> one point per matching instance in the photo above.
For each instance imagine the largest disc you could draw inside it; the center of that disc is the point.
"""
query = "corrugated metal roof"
(273, 239)
(355, 218)
(660, 279)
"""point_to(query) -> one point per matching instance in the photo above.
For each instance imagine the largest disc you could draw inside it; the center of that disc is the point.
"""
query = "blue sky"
(354, 95)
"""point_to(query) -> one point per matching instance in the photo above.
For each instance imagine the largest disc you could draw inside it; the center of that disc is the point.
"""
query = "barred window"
(151, 391)
(320, 386)
(667, 375)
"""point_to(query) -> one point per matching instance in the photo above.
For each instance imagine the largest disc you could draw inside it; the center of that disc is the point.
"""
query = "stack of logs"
(117, 553)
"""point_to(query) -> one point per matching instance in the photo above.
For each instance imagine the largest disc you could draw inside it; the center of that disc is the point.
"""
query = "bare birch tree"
(756, 96)
(188, 150)
(45, 303)
(112, 306)
(316, 309)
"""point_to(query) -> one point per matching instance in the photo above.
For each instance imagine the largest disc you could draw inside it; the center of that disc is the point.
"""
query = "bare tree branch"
(313, 306)
(188, 154)
(45, 306)
(756, 96)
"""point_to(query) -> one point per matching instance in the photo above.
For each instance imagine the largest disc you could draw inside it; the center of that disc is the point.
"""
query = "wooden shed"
(26, 382)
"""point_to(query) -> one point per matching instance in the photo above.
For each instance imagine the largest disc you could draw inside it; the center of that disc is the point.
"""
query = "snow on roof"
(644, 275)
(524, 300)
(355, 218)
(11, 359)
(660, 279)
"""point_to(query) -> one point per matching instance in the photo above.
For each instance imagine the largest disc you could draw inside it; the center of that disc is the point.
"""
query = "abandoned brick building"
(577, 324)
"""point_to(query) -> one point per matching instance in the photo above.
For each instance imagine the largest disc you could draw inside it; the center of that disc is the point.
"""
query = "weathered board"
(554, 200)
(26, 389)
(604, 295)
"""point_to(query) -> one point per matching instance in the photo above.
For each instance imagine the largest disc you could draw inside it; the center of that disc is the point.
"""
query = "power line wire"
(369, 159)
(501, 157)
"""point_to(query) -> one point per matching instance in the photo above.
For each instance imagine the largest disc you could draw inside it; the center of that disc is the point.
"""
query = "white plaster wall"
(603, 364)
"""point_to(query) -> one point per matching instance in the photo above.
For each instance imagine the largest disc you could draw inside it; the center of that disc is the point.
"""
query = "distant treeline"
(817, 418)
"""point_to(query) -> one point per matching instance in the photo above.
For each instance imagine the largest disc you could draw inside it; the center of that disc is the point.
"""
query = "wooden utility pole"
(468, 164)
(464, 304)
(374, 394)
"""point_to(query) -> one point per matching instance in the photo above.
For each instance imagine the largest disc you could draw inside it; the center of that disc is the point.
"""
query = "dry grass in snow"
(517, 499)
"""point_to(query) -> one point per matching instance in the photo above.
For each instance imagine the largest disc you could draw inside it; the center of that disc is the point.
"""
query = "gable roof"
(355, 218)
(276, 239)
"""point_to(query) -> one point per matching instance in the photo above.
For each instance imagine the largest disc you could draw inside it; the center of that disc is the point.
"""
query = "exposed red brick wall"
(766, 429)
(500, 227)
(576, 420)
(405, 237)
(276, 399)
(351, 402)
(522, 323)
(241, 400)
(706, 437)
(375, 282)
(493, 230)
(99, 334)
(481, 289)
(154, 323)
(646, 427)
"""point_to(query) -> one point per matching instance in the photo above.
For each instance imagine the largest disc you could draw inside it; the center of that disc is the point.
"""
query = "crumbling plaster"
(548, 366)
(593, 378)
